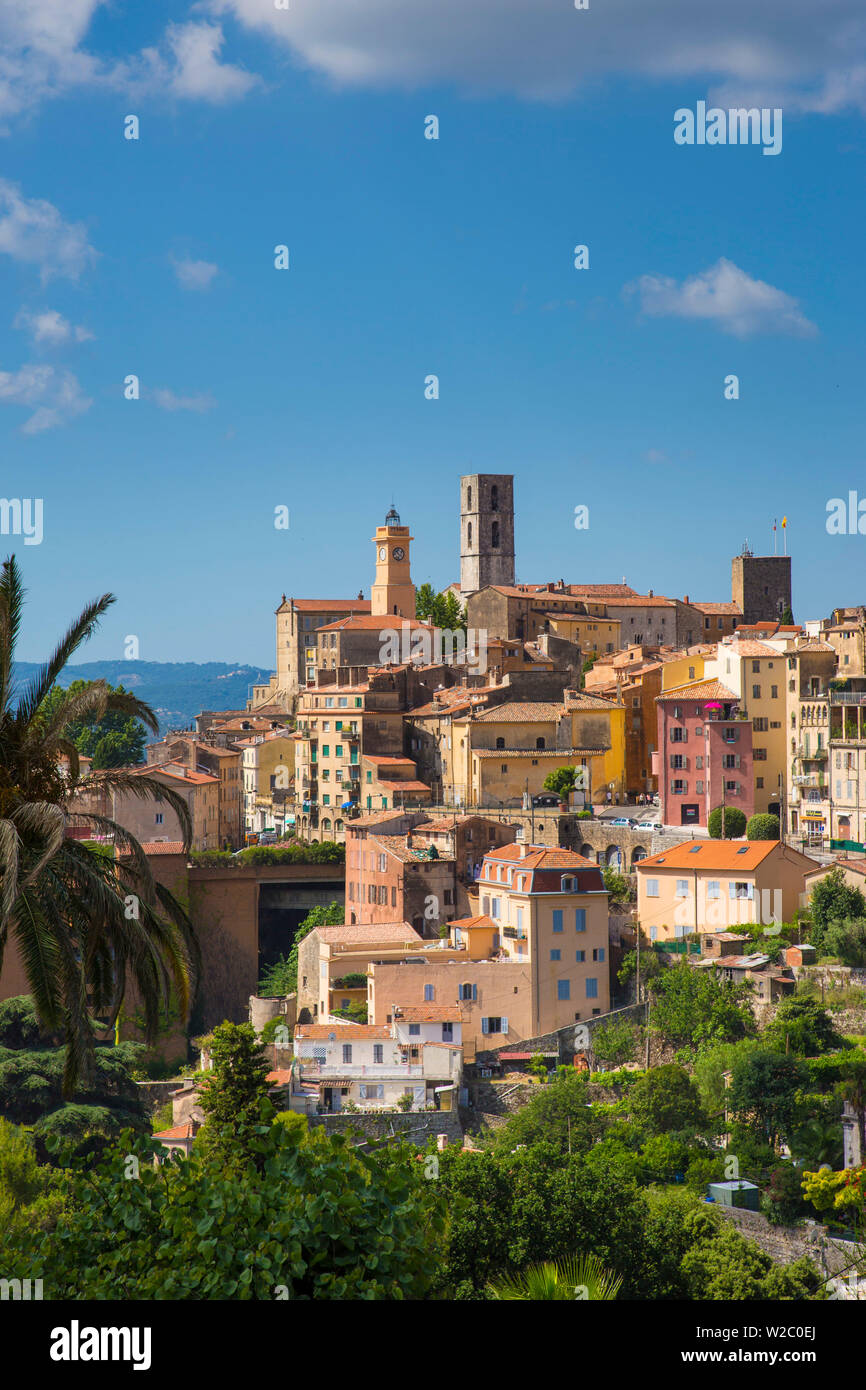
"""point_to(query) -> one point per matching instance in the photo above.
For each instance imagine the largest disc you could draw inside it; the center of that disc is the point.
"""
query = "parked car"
(647, 825)
(622, 820)
(548, 799)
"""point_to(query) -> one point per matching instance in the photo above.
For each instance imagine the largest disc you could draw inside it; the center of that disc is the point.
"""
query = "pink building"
(704, 756)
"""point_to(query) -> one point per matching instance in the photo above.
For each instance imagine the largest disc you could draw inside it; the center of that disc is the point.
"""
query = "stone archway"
(613, 857)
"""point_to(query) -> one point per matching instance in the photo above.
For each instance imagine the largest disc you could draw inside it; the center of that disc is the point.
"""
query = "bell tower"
(393, 593)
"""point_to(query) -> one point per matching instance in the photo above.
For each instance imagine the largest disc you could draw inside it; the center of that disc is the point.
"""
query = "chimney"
(686, 599)
(651, 593)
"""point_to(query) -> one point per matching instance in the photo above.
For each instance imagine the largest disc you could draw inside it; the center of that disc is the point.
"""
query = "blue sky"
(305, 388)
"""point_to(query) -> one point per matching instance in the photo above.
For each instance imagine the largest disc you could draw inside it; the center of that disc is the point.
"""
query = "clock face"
(398, 552)
(382, 552)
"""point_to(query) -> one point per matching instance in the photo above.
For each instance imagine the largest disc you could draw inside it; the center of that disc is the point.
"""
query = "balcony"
(377, 1071)
(847, 697)
(514, 934)
(815, 755)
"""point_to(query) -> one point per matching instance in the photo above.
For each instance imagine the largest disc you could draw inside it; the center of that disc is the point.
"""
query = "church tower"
(393, 593)
(486, 531)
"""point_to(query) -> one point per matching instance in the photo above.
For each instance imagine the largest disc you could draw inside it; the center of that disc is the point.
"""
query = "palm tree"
(582, 1277)
(68, 904)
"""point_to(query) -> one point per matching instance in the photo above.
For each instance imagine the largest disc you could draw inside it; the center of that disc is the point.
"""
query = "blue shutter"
(503, 1025)
(474, 991)
(580, 919)
(484, 1026)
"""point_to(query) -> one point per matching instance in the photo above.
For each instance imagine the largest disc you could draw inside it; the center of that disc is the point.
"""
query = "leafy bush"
(847, 942)
(615, 1042)
(735, 823)
(763, 827)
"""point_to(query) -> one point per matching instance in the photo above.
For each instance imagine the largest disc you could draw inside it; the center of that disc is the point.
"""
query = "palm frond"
(11, 604)
(79, 631)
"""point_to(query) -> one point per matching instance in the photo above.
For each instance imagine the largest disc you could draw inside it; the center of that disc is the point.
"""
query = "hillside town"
(441, 876)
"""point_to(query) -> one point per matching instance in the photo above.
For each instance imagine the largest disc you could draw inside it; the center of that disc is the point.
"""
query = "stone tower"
(393, 593)
(486, 530)
(761, 586)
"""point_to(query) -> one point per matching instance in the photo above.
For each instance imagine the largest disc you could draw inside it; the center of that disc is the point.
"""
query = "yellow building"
(503, 753)
(268, 776)
(682, 670)
(757, 674)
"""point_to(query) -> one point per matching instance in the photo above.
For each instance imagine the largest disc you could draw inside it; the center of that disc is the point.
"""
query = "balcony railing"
(379, 1071)
(812, 755)
(848, 697)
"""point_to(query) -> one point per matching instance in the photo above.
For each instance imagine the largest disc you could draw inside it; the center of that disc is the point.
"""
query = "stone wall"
(787, 1243)
(416, 1128)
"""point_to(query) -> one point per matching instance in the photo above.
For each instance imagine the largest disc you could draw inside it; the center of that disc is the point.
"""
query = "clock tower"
(393, 593)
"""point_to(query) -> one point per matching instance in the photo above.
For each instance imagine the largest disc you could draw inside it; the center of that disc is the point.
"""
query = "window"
(598, 954)
(580, 957)
(429, 994)
(580, 919)
(347, 1052)
(592, 989)
(740, 890)
(563, 989)
(652, 887)
(500, 743)
(756, 692)
(414, 1030)
(756, 668)
(158, 818)
(468, 992)
(373, 1092)
(557, 919)
(556, 955)
(682, 888)
(495, 907)
(378, 1052)
(503, 767)
(447, 1032)
(713, 888)
(774, 692)
(494, 1025)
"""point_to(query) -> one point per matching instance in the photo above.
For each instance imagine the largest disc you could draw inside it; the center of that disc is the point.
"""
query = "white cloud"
(50, 327)
(167, 400)
(811, 55)
(726, 296)
(54, 395)
(42, 55)
(32, 230)
(198, 74)
(194, 275)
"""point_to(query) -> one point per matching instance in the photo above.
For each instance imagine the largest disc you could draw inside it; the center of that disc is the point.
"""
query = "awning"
(333, 1085)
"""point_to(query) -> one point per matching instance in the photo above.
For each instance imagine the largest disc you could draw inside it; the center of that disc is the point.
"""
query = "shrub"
(735, 823)
(763, 827)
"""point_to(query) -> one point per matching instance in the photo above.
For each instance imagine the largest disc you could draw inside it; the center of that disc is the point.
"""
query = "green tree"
(560, 781)
(583, 1277)
(734, 822)
(559, 1115)
(666, 1098)
(615, 1042)
(282, 977)
(833, 900)
(619, 886)
(764, 1091)
(800, 1025)
(115, 740)
(233, 1095)
(310, 1219)
(694, 1006)
(847, 941)
(650, 963)
(762, 827)
(65, 903)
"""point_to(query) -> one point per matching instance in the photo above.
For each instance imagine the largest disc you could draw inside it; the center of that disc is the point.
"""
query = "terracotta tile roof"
(162, 846)
(748, 646)
(428, 1013)
(326, 605)
(177, 772)
(642, 601)
(185, 1131)
(471, 923)
(396, 845)
(281, 1077)
(365, 933)
(814, 645)
(858, 866)
(581, 699)
(375, 818)
(406, 786)
(717, 608)
(539, 857)
(712, 855)
(386, 758)
(346, 1032)
(699, 690)
(514, 711)
(375, 622)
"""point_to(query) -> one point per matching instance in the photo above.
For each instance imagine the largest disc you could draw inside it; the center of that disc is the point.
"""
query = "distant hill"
(175, 690)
